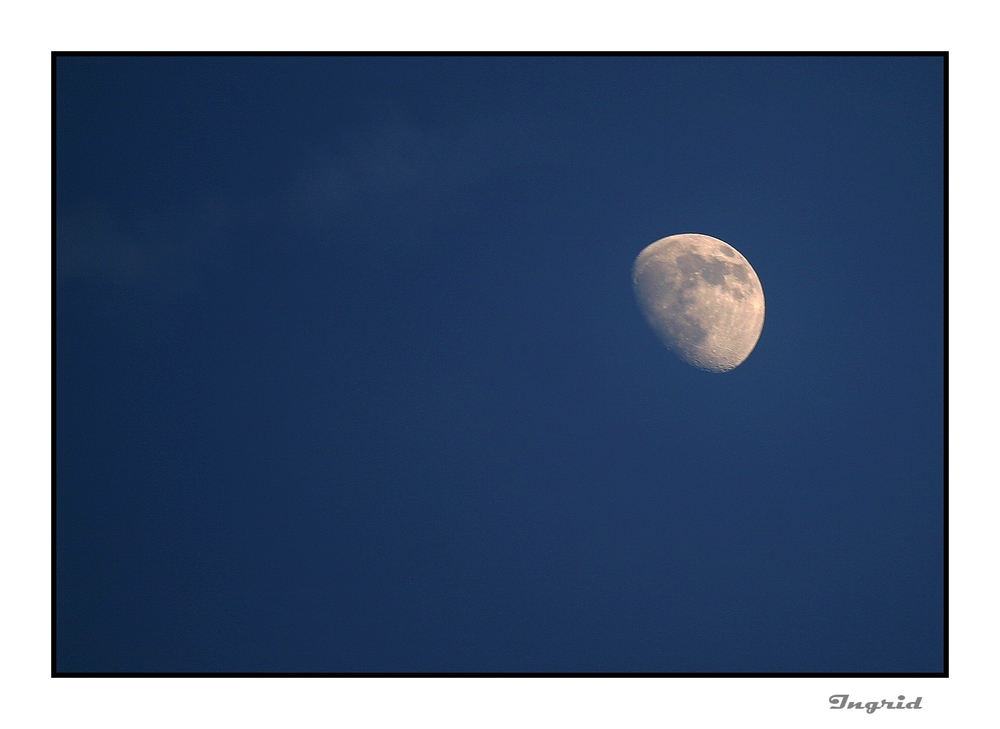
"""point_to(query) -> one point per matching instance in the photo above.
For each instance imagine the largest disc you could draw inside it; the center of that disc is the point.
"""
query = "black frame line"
(55, 673)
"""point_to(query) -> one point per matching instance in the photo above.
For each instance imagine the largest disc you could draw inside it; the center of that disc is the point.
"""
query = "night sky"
(350, 376)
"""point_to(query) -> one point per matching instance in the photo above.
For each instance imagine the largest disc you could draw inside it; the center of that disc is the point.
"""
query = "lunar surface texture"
(702, 299)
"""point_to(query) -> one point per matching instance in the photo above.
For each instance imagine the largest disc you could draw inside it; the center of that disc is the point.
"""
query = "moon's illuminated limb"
(702, 298)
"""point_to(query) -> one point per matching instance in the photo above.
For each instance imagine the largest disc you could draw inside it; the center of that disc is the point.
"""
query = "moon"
(702, 298)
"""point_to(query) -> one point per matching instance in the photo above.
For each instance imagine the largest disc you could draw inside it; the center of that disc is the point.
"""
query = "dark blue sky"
(350, 376)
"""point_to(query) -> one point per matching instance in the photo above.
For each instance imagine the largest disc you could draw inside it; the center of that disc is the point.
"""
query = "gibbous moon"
(702, 299)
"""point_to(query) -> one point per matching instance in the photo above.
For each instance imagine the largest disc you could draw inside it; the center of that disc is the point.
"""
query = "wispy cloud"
(157, 257)
(399, 170)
